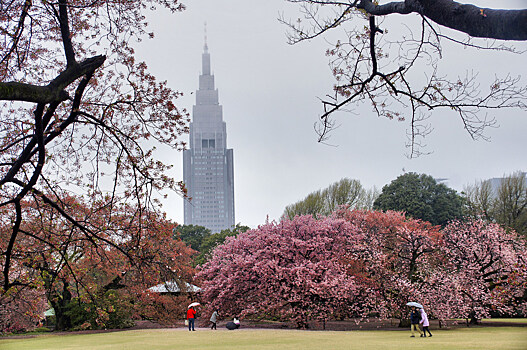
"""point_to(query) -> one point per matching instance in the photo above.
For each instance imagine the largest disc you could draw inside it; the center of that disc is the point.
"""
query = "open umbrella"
(412, 303)
(193, 304)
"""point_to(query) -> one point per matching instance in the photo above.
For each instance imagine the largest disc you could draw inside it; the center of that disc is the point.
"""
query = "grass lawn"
(463, 338)
(508, 320)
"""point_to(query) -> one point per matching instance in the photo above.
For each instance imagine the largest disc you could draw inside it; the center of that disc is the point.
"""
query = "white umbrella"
(412, 303)
(193, 304)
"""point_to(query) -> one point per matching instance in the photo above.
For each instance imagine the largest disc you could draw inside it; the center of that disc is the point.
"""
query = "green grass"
(463, 338)
(508, 320)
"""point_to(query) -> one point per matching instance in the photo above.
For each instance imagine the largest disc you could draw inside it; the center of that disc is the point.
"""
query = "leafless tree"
(399, 73)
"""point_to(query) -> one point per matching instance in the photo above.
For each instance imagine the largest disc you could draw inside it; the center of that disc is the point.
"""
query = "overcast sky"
(270, 94)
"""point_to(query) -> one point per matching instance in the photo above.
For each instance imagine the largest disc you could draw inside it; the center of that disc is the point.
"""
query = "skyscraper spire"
(205, 47)
(205, 56)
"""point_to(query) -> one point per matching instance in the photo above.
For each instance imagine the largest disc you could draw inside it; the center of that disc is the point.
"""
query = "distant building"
(495, 183)
(208, 170)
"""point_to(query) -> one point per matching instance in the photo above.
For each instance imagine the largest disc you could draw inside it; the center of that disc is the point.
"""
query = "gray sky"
(270, 95)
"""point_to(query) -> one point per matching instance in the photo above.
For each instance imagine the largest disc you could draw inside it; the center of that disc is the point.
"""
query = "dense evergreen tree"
(421, 197)
(213, 240)
(192, 235)
(203, 241)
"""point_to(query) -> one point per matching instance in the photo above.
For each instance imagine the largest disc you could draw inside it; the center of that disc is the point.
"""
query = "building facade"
(208, 170)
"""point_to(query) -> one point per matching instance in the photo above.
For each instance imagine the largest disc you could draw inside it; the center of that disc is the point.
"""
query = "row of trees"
(420, 196)
(359, 263)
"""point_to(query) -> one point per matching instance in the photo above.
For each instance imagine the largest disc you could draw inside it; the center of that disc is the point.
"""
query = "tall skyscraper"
(208, 165)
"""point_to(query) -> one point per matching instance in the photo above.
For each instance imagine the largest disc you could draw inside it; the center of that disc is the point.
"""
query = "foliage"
(22, 309)
(76, 121)
(504, 203)
(108, 312)
(165, 309)
(96, 284)
(193, 235)
(394, 257)
(324, 202)
(421, 197)
(203, 241)
(213, 240)
(393, 64)
(463, 270)
(488, 268)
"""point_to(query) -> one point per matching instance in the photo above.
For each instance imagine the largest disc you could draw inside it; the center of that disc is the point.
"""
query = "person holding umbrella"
(415, 317)
(191, 316)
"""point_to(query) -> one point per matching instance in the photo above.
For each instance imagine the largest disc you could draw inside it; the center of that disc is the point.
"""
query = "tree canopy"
(95, 284)
(421, 197)
(323, 202)
(79, 114)
(192, 235)
(398, 71)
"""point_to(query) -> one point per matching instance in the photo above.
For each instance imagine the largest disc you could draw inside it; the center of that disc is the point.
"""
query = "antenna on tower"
(205, 47)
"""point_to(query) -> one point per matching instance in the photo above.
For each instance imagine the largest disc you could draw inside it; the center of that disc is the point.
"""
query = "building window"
(208, 143)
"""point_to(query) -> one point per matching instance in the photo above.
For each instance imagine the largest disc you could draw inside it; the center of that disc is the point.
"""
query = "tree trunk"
(62, 320)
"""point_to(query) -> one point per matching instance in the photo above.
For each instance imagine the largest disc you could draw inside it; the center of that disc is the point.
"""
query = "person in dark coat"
(415, 317)
(233, 324)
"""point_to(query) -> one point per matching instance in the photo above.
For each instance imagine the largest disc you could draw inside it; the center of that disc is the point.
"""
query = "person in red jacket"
(191, 316)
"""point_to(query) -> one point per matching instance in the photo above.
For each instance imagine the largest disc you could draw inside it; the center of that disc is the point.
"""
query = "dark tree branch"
(54, 91)
(9, 251)
(472, 20)
(90, 235)
(65, 32)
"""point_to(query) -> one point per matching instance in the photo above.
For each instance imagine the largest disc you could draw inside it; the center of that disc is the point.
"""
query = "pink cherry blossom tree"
(485, 267)
(396, 255)
(292, 270)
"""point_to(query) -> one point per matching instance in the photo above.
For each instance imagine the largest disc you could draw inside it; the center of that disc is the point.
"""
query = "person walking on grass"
(424, 323)
(214, 319)
(415, 317)
(191, 317)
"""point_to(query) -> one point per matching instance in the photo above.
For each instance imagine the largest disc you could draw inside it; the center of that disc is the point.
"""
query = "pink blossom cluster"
(21, 309)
